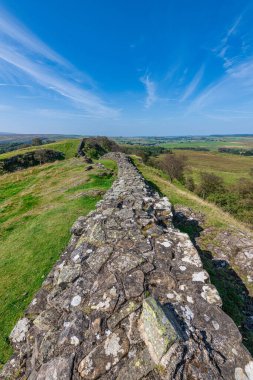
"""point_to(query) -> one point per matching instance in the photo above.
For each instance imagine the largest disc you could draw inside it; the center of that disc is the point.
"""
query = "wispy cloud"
(235, 89)
(150, 90)
(191, 88)
(26, 54)
(222, 50)
(15, 85)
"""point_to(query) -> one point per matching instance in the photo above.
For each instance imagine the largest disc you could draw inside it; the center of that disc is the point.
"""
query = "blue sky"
(116, 67)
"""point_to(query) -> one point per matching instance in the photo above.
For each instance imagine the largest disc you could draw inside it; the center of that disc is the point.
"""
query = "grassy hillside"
(37, 207)
(178, 195)
(68, 147)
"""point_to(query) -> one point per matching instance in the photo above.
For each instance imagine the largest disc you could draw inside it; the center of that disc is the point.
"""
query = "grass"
(68, 147)
(211, 143)
(36, 206)
(178, 195)
(228, 166)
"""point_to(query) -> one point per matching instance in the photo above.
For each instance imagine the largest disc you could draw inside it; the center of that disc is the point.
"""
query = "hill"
(68, 147)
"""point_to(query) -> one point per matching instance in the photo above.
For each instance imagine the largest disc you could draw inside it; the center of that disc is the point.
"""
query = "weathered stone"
(138, 367)
(161, 283)
(97, 260)
(124, 263)
(126, 309)
(77, 227)
(69, 274)
(57, 369)
(104, 300)
(133, 284)
(104, 356)
(157, 331)
(18, 334)
(38, 304)
(47, 319)
(210, 294)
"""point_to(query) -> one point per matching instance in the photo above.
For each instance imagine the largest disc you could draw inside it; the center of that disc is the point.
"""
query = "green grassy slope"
(178, 195)
(68, 147)
(37, 207)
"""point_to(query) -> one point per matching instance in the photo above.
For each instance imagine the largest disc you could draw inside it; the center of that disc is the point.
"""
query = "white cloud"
(25, 53)
(191, 88)
(222, 50)
(150, 89)
(235, 89)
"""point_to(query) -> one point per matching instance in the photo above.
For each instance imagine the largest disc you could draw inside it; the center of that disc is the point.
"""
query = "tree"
(37, 141)
(210, 184)
(174, 166)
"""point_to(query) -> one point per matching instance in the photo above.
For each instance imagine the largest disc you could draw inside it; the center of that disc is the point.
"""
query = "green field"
(210, 143)
(36, 206)
(228, 166)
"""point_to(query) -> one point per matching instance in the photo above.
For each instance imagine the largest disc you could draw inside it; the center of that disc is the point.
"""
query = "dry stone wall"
(128, 300)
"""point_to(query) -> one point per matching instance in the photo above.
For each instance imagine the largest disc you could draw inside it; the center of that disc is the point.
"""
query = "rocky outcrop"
(95, 147)
(129, 299)
(23, 161)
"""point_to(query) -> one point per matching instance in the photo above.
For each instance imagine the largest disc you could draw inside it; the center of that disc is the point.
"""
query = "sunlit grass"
(68, 147)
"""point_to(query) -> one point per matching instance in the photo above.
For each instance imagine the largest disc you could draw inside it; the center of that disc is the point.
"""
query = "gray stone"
(138, 367)
(104, 356)
(133, 284)
(156, 330)
(59, 368)
(47, 319)
(97, 259)
(18, 334)
(69, 274)
(126, 309)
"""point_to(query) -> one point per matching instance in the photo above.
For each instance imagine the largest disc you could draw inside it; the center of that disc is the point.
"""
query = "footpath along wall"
(128, 300)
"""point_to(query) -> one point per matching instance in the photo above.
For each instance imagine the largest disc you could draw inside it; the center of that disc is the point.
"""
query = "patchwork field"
(36, 205)
(210, 143)
(228, 166)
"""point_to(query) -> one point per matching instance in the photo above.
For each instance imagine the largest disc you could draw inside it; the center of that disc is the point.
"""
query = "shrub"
(37, 141)
(189, 183)
(209, 184)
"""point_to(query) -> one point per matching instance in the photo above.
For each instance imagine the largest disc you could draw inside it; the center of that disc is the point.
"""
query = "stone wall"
(128, 300)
